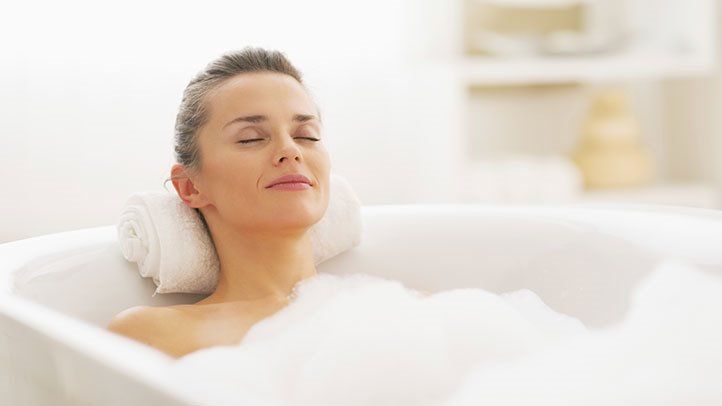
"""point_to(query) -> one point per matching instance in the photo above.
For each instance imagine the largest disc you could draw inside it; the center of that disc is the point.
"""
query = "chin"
(298, 218)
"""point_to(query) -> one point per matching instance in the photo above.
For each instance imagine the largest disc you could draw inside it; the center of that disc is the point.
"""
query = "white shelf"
(671, 40)
(495, 71)
(694, 194)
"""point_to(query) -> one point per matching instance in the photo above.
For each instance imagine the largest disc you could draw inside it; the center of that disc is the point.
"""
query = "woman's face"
(261, 126)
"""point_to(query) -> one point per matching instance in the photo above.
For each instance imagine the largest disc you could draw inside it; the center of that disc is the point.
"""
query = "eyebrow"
(301, 118)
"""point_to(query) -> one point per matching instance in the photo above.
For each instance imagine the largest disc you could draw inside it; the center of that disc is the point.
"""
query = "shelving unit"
(691, 52)
(487, 71)
(694, 194)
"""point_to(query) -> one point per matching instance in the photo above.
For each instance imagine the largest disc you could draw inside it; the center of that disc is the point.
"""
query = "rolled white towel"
(169, 243)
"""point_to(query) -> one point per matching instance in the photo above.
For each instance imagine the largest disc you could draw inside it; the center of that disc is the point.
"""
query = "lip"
(291, 178)
(291, 186)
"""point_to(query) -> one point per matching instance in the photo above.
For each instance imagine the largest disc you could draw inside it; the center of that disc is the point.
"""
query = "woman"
(251, 161)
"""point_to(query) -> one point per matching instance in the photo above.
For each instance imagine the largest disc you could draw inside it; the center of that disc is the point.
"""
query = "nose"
(287, 150)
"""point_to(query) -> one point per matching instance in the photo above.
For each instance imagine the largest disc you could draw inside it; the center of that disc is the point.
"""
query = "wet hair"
(193, 112)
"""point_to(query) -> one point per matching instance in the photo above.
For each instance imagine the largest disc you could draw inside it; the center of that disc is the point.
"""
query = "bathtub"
(59, 291)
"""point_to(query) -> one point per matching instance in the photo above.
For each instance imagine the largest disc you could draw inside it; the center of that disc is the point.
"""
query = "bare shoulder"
(132, 319)
(182, 329)
(154, 326)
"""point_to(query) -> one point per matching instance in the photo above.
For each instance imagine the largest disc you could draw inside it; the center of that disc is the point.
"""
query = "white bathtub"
(59, 291)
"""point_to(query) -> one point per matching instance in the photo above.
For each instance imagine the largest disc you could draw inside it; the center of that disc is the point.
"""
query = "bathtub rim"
(146, 366)
(146, 369)
(28, 249)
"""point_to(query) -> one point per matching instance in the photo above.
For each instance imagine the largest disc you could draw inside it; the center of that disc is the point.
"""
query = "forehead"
(269, 93)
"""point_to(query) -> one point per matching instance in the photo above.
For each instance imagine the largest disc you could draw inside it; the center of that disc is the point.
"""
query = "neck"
(261, 266)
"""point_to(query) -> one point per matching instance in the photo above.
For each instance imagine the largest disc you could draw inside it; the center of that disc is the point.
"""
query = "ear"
(186, 189)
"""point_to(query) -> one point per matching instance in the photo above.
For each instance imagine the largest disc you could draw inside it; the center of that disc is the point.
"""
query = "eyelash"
(259, 139)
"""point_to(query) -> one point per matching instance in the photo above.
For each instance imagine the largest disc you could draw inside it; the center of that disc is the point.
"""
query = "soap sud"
(360, 340)
(666, 351)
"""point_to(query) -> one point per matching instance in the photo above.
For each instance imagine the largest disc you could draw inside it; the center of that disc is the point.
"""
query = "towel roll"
(169, 243)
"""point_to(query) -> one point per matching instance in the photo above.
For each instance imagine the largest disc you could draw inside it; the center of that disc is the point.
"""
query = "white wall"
(90, 92)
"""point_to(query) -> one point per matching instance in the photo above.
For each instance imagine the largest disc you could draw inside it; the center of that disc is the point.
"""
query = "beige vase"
(610, 153)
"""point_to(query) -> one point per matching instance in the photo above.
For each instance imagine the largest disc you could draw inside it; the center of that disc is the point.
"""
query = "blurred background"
(424, 101)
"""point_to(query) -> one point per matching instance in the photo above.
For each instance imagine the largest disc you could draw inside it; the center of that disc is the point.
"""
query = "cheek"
(236, 177)
(321, 160)
(323, 172)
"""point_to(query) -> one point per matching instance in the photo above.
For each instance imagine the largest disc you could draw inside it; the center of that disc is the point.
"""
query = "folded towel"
(169, 243)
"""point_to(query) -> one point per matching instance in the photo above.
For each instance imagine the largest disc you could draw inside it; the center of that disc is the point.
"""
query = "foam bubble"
(360, 339)
(667, 351)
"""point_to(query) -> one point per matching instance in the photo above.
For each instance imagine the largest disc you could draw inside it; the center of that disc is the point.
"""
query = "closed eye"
(250, 141)
(261, 139)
